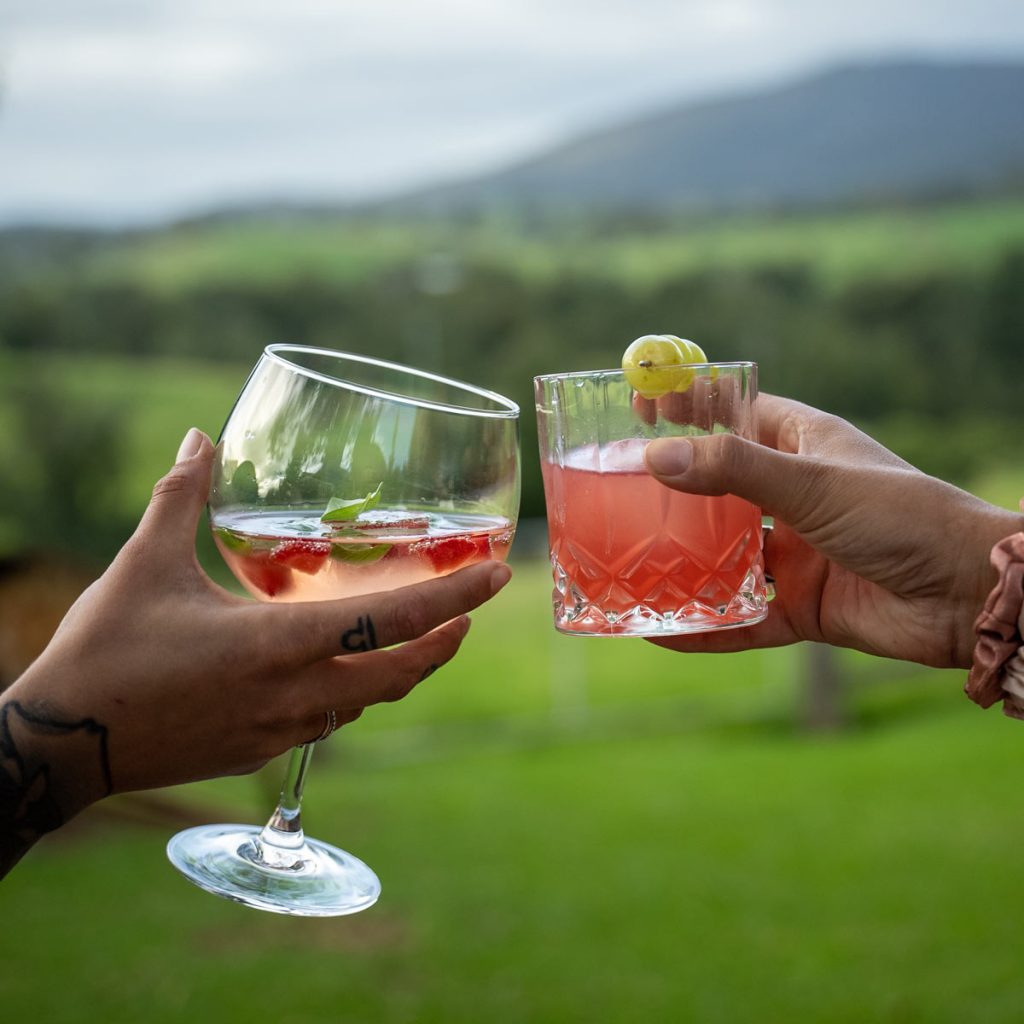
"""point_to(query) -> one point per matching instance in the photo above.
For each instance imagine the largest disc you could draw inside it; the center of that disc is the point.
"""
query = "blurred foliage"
(920, 352)
(638, 249)
(63, 480)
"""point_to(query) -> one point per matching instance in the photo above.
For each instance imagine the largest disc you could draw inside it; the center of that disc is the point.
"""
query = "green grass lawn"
(651, 841)
(566, 830)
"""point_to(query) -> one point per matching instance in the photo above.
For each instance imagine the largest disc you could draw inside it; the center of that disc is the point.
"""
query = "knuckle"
(399, 684)
(174, 482)
(403, 688)
(397, 688)
(824, 425)
(792, 427)
(409, 618)
(726, 457)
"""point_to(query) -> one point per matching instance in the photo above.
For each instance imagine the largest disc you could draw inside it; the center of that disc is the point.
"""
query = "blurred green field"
(566, 830)
(572, 830)
(154, 402)
(840, 246)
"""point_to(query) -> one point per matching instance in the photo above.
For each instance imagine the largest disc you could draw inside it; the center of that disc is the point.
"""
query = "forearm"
(52, 765)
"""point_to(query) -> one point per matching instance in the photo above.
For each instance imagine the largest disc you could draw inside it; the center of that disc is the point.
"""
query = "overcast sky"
(135, 110)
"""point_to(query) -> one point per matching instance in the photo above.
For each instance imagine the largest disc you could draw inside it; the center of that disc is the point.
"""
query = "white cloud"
(128, 107)
(56, 63)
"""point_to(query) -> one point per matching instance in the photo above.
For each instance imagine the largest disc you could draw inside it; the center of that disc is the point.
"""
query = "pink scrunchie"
(998, 669)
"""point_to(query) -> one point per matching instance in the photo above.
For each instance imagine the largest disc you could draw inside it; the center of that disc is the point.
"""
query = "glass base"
(579, 614)
(648, 624)
(310, 880)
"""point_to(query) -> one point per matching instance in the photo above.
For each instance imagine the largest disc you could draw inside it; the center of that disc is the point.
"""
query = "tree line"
(932, 363)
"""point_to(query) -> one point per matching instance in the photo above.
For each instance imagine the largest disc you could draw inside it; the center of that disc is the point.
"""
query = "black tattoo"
(428, 671)
(49, 769)
(361, 637)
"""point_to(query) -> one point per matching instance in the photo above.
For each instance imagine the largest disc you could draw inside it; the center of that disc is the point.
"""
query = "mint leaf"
(231, 540)
(358, 554)
(342, 510)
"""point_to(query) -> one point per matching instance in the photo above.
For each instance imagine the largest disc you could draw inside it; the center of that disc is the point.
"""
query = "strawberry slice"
(301, 555)
(268, 578)
(446, 554)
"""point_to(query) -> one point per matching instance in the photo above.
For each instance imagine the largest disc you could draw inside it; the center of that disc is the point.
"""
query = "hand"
(158, 676)
(867, 552)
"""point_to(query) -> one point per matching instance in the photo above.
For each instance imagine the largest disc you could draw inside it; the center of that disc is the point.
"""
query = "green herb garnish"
(344, 510)
(357, 554)
(231, 540)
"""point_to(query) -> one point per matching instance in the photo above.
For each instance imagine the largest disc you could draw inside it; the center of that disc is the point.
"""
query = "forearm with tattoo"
(50, 768)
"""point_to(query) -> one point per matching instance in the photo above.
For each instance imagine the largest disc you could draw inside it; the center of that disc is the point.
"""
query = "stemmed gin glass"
(339, 475)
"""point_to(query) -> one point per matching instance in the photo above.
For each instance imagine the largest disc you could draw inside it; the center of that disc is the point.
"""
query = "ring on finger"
(767, 525)
(330, 724)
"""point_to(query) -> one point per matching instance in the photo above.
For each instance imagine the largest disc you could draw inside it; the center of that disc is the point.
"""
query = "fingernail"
(464, 623)
(669, 456)
(501, 575)
(190, 444)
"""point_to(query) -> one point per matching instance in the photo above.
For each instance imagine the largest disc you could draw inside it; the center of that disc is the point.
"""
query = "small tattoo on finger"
(361, 637)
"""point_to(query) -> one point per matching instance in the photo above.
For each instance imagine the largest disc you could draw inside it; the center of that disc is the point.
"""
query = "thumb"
(178, 498)
(798, 489)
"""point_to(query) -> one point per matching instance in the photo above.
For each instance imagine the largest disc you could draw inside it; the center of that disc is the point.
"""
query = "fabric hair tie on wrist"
(997, 672)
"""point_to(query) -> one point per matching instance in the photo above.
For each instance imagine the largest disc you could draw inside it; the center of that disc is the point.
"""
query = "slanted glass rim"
(619, 372)
(505, 408)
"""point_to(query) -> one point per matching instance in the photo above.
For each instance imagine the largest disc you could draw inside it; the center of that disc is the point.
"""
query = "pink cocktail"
(292, 556)
(626, 549)
(630, 556)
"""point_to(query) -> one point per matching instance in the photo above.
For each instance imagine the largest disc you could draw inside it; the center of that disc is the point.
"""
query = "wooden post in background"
(823, 690)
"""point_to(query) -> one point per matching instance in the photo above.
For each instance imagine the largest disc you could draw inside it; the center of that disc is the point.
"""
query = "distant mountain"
(864, 132)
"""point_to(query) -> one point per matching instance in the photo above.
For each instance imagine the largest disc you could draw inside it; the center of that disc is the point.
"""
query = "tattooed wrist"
(51, 767)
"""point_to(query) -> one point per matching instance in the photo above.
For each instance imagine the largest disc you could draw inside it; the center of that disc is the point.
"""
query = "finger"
(351, 684)
(312, 729)
(805, 492)
(781, 422)
(879, 522)
(384, 677)
(646, 409)
(790, 426)
(179, 498)
(322, 629)
(774, 631)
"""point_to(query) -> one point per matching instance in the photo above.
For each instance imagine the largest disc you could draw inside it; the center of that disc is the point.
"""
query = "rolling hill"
(857, 133)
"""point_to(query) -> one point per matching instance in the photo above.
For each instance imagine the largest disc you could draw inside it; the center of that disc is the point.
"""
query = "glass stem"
(284, 829)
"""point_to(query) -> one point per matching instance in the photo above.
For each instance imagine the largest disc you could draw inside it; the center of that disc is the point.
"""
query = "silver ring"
(330, 724)
(767, 525)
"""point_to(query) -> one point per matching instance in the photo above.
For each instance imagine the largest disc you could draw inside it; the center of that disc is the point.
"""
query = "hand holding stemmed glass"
(342, 476)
